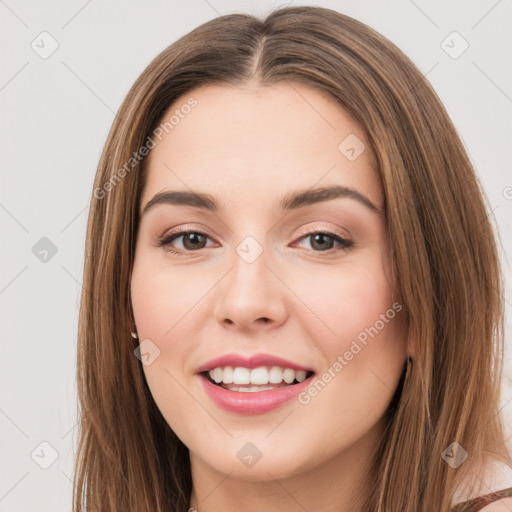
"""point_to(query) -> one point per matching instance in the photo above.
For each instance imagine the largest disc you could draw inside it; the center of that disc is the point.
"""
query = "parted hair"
(444, 255)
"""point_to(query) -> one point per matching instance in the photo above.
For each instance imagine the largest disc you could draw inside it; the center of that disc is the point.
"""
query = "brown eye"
(195, 240)
(324, 241)
(191, 240)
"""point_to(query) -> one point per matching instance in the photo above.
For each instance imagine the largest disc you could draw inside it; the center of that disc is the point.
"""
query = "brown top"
(479, 503)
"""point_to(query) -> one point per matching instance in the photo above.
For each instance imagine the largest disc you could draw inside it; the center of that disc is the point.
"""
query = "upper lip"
(254, 361)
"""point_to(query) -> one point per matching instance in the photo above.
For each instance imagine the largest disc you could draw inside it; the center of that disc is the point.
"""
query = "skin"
(499, 506)
(248, 147)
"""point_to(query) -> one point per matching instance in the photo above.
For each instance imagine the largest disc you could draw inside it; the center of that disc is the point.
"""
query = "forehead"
(258, 139)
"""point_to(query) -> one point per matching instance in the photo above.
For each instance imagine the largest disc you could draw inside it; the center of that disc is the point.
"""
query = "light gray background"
(55, 116)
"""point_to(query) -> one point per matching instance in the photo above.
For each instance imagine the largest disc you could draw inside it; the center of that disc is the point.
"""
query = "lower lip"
(256, 402)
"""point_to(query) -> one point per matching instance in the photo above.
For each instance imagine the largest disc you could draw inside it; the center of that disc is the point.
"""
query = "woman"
(227, 358)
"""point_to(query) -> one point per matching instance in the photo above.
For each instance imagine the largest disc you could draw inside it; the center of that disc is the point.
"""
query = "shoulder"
(496, 477)
(504, 505)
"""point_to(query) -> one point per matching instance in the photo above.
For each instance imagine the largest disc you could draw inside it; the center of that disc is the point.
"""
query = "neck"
(339, 483)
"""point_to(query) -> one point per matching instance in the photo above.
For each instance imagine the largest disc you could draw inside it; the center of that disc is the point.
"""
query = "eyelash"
(166, 240)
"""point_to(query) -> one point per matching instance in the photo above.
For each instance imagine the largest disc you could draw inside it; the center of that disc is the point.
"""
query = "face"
(308, 283)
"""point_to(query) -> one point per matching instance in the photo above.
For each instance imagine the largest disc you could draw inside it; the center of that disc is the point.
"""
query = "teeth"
(241, 376)
(258, 376)
(300, 375)
(250, 389)
(227, 375)
(216, 375)
(289, 375)
(275, 375)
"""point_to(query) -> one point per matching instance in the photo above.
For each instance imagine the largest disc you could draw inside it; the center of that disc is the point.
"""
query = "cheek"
(364, 345)
(163, 307)
(164, 299)
(357, 326)
(162, 302)
(344, 301)
(364, 354)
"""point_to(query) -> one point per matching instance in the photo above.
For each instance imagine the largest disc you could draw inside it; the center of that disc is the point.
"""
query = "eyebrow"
(291, 201)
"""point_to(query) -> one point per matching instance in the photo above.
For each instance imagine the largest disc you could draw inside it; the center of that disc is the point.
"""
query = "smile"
(255, 379)
(253, 391)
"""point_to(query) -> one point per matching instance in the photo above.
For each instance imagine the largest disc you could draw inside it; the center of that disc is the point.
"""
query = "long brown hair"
(444, 261)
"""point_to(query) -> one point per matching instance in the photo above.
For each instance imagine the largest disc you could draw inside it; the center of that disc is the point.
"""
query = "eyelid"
(323, 229)
(182, 230)
(185, 229)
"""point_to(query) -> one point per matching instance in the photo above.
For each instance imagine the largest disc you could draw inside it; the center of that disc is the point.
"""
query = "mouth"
(258, 390)
(241, 380)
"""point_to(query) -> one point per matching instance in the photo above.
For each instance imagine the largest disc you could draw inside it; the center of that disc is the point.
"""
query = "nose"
(251, 296)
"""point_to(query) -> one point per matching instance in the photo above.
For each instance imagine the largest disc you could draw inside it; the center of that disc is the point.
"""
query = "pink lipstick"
(281, 381)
